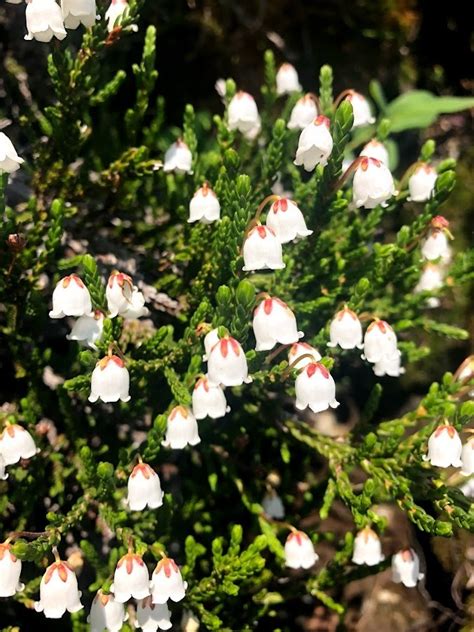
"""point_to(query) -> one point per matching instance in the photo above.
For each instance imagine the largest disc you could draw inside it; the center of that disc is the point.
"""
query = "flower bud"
(389, 366)
(181, 429)
(77, 12)
(144, 488)
(273, 322)
(106, 614)
(373, 184)
(315, 144)
(114, 14)
(87, 330)
(262, 250)
(10, 571)
(16, 443)
(227, 363)
(118, 293)
(300, 349)
(299, 551)
(152, 617)
(44, 21)
(273, 506)
(10, 161)
(360, 109)
(287, 80)
(209, 400)
(421, 183)
(406, 568)
(167, 582)
(345, 330)
(315, 388)
(131, 578)
(204, 206)
(15, 242)
(376, 149)
(467, 458)
(178, 157)
(303, 113)
(380, 342)
(367, 548)
(58, 591)
(110, 380)
(243, 115)
(287, 221)
(71, 298)
(436, 246)
(444, 447)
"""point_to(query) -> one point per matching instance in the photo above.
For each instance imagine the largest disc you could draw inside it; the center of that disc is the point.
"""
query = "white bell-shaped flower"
(431, 279)
(58, 591)
(287, 221)
(372, 184)
(227, 364)
(315, 144)
(375, 149)
(315, 388)
(144, 488)
(152, 616)
(3, 474)
(360, 109)
(406, 568)
(391, 366)
(87, 330)
(467, 458)
(273, 321)
(136, 308)
(467, 488)
(300, 349)
(444, 447)
(16, 443)
(178, 157)
(71, 298)
(303, 113)
(262, 250)
(10, 161)
(209, 400)
(44, 21)
(273, 505)
(367, 548)
(110, 380)
(118, 293)
(436, 246)
(181, 429)
(345, 330)
(380, 342)
(299, 551)
(167, 582)
(77, 12)
(131, 578)
(242, 115)
(287, 80)
(189, 622)
(204, 206)
(114, 14)
(106, 613)
(421, 183)
(210, 339)
(10, 571)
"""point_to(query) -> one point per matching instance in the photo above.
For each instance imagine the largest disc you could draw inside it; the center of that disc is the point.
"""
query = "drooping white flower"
(44, 21)
(167, 582)
(436, 245)
(209, 400)
(467, 488)
(3, 474)
(16, 443)
(10, 161)
(373, 183)
(71, 298)
(10, 571)
(136, 308)
(421, 183)
(299, 551)
(114, 14)
(131, 578)
(204, 206)
(287, 221)
(243, 115)
(444, 447)
(262, 250)
(389, 366)
(58, 591)
(210, 339)
(345, 330)
(77, 12)
(153, 616)
(367, 548)
(189, 622)
(287, 80)
(431, 279)
(360, 109)
(380, 342)
(110, 380)
(300, 349)
(118, 293)
(144, 488)
(273, 505)
(375, 149)
(227, 364)
(273, 321)
(87, 330)
(178, 157)
(315, 144)
(106, 613)
(406, 568)
(467, 458)
(315, 388)
(303, 113)
(181, 429)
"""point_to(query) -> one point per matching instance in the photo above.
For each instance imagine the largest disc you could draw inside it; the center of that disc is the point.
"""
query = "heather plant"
(179, 307)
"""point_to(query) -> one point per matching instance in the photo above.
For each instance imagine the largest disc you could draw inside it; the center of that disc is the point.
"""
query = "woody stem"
(346, 175)
(256, 219)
